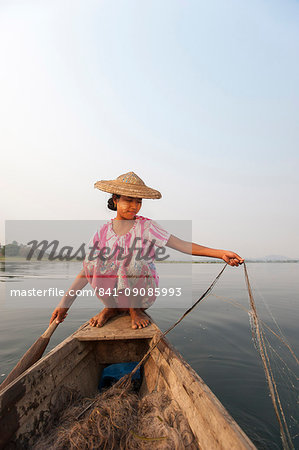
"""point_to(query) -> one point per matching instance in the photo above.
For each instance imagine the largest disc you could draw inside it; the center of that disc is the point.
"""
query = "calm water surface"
(215, 338)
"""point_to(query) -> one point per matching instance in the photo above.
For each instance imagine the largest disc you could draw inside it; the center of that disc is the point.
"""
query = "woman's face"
(128, 207)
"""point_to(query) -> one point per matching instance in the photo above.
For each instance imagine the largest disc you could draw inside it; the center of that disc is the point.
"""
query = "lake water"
(215, 338)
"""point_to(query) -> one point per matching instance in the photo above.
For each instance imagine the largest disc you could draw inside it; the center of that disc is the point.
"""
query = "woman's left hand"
(232, 258)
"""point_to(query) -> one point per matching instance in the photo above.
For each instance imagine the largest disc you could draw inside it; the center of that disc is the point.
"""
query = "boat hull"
(29, 404)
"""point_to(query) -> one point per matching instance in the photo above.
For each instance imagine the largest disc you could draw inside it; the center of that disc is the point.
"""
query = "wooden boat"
(28, 403)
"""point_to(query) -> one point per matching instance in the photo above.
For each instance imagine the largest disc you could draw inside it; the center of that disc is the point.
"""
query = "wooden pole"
(32, 355)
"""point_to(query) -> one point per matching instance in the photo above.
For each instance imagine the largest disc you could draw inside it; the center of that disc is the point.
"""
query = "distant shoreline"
(217, 261)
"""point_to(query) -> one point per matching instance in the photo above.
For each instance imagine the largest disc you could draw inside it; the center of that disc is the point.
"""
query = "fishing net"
(120, 419)
(279, 362)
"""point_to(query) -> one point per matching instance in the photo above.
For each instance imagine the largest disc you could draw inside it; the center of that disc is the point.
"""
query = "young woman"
(123, 252)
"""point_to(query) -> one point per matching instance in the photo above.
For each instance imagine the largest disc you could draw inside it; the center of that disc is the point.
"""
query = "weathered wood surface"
(115, 351)
(118, 328)
(29, 403)
(210, 422)
(32, 355)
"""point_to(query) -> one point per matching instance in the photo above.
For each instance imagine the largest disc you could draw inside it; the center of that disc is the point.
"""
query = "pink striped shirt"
(136, 267)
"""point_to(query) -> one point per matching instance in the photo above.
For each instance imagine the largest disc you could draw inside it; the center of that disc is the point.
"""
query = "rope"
(162, 335)
(125, 381)
(259, 335)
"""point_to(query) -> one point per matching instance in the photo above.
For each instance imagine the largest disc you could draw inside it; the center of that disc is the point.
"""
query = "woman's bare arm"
(190, 248)
(67, 300)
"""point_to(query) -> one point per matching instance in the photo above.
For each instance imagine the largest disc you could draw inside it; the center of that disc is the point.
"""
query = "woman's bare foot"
(100, 319)
(139, 318)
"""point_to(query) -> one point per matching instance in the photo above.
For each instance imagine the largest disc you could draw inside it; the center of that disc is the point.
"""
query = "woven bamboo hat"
(128, 184)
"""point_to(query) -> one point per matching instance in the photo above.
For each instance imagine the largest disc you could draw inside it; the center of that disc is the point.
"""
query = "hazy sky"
(199, 98)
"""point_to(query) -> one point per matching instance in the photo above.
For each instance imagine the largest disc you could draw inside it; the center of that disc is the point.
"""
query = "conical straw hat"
(128, 184)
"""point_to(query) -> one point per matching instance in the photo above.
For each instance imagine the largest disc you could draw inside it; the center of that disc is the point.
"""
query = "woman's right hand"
(59, 314)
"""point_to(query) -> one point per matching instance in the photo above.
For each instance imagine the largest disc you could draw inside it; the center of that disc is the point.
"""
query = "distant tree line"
(15, 249)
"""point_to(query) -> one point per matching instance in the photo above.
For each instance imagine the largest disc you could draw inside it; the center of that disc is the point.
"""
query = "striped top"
(125, 261)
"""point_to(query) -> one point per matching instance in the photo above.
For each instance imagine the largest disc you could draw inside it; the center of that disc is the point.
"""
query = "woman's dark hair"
(111, 202)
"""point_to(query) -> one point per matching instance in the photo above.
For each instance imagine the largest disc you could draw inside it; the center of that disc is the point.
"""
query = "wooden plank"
(83, 379)
(117, 328)
(115, 351)
(27, 404)
(209, 420)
